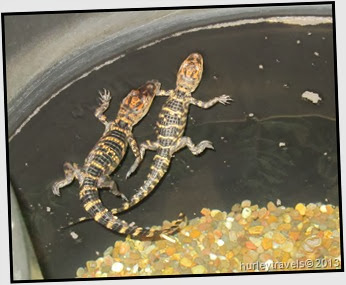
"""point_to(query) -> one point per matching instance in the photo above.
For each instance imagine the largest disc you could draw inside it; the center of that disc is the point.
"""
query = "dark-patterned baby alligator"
(171, 126)
(106, 156)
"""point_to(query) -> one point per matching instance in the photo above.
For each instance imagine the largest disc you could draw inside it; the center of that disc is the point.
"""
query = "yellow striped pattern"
(91, 204)
(99, 215)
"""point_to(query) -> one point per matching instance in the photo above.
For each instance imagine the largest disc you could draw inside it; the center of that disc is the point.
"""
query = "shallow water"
(264, 67)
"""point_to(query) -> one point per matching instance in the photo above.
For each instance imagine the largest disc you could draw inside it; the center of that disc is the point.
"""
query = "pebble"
(256, 241)
(205, 212)
(279, 238)
(219, 242)
(213, 213)
(246, 213)
(99, 261)
(250, 245)
(198, 269)
(91, 265)
(108, 260)
(328, 234)
(271, 206)
(313, 241)
(228, 225)
(149, 249)
(323, 209)
(117, 267)
(135, 269)
(148, 270)
(287, 246)
(229, 219)
(212, 256)
(262, 213)
(256, 230)
(284, 227)
(282, 144)
(186, 262)
(260, 249)
(246, 204)
(161, 244)
(168, 271)
(287, 218)
(269, 234)
(124, 248)
(220, 216)
(272, 219)
(330, 209)
(294, 235)
(236, 208)
(80, 272)
(254, 208)
(74, 235)
(195, 234)
(267, 243)
(108, 251)
(301, 208)
(232, 236)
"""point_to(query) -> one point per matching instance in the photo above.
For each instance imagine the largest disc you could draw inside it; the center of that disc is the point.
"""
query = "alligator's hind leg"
(71, 171)
(147, 145)
(195, 149)
(106, 182)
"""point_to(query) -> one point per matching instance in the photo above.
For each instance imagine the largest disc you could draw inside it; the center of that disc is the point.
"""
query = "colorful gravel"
(248, 239)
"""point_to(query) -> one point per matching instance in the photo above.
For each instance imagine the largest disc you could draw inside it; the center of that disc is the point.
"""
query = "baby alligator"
(106, 156)
(171, 126)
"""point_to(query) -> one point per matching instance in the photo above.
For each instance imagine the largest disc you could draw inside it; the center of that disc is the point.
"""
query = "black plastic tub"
(271, 143)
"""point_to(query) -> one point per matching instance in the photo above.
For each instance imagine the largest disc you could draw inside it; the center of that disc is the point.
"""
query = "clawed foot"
(105, 96)
(119, 194)
(133, 167)
(225, 99)
(202, 146)
(56, 190)
(123, 197)
(131, 170)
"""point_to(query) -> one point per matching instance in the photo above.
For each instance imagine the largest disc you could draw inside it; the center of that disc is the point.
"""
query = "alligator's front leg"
(105, 98)
(147, 145)
(170, 92)
(136, 151)
(223, 99)
(133, 143)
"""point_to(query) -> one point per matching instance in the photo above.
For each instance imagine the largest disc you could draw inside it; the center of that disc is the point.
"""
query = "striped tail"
(93, 205)
(158, 170)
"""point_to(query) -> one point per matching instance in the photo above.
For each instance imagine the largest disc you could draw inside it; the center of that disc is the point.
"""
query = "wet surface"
(269, 144)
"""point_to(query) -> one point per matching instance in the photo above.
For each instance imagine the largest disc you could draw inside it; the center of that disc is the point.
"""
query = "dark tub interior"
(248, 162)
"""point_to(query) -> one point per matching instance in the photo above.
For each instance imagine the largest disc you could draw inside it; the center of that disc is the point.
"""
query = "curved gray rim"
(149, 27)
